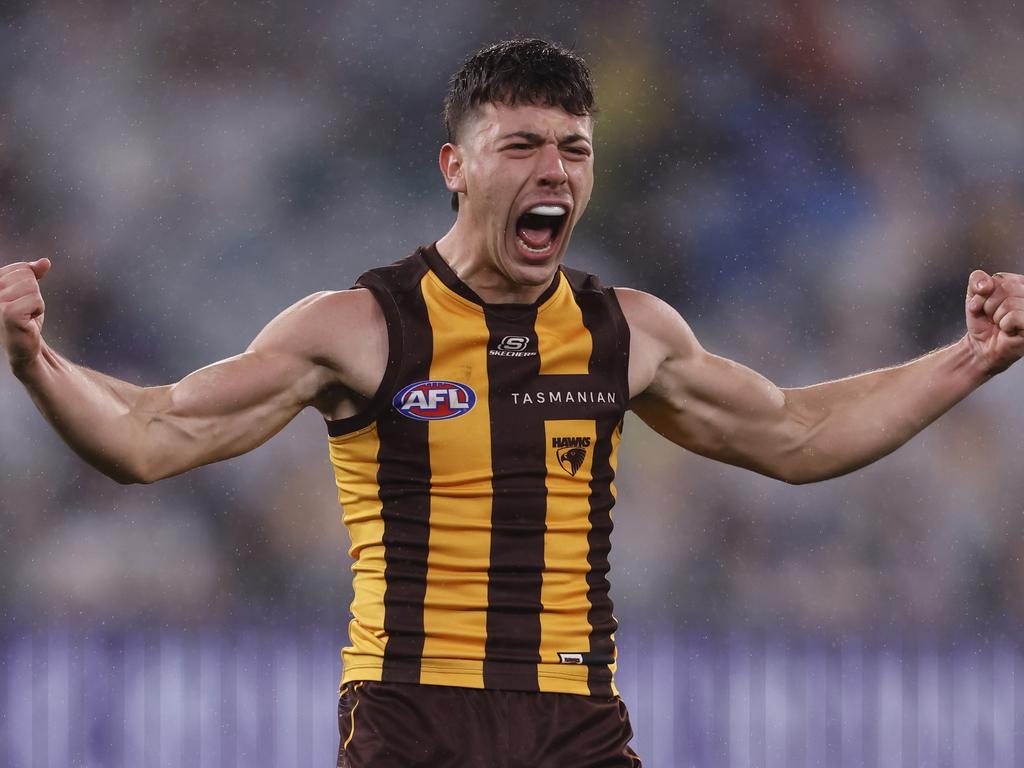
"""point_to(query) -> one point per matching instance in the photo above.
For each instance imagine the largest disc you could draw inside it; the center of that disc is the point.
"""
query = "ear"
(450, 161)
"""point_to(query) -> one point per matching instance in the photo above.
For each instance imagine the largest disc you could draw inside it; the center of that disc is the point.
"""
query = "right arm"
(143, 434)
(725, 411)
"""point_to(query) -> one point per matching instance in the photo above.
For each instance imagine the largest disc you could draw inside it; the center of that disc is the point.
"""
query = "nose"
(552, 169)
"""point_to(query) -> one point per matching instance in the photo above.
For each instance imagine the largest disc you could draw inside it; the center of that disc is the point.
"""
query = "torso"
(478, 502)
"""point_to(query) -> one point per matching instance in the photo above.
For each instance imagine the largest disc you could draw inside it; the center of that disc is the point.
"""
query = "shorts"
(401, 725)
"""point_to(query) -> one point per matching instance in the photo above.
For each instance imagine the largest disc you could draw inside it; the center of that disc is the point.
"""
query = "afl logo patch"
(435, 400)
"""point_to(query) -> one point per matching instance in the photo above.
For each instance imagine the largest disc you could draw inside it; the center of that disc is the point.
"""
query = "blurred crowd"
(809, 183)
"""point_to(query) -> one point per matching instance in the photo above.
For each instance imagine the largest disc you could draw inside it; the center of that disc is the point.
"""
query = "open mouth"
(538, 230)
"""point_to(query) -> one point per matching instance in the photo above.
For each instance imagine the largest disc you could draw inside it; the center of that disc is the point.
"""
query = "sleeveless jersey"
(477, 486)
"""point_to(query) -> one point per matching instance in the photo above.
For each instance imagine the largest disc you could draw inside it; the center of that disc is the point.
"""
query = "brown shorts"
(400, 725)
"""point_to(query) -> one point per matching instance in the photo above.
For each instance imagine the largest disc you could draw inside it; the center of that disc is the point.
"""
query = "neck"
(472, 260)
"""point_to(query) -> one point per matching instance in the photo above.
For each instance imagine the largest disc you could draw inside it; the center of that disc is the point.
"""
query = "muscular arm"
(728, 412)
(142, 434)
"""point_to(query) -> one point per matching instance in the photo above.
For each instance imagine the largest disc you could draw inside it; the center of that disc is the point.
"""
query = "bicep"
(709, 404)
(715, 407)
(234, 405)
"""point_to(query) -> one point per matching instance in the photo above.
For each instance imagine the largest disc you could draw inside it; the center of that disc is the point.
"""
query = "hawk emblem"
(571, 459)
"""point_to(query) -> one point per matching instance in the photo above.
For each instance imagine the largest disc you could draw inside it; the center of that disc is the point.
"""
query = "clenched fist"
(995, 318)
(21, 310)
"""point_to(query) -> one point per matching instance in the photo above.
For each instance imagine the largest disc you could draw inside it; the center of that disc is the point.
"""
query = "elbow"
(809, 468)
(800, 457)
(131, 473)
(134, 480)
(121, 476)
(798, 464)
(789, 474)
(797, 478)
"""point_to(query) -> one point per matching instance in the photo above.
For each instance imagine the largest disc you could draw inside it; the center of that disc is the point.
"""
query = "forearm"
(849, 423)
(94, 414)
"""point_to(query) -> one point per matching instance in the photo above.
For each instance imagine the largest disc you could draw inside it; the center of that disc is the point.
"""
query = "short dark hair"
(519, 71)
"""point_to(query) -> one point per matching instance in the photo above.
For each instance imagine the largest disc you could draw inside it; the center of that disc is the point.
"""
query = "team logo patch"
(571, 452)
(435, 400)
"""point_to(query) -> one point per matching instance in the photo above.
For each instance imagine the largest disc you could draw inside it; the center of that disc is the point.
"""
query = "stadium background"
(810, 183)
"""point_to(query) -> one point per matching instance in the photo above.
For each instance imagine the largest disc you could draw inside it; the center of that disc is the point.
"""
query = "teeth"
(531, 249)
(547, 210)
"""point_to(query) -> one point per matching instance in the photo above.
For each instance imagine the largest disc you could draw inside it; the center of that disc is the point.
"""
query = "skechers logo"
(435, 400)
(513, 346)
(571, 452)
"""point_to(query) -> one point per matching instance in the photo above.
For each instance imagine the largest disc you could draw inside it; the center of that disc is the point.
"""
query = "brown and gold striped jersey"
(477, 486)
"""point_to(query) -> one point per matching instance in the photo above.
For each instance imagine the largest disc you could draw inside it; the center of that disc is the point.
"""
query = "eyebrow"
(536, 138)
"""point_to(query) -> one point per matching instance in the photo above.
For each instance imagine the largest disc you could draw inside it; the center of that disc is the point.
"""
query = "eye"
(579, 151)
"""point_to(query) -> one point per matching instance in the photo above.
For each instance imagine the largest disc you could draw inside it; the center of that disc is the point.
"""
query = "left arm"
(728, 412)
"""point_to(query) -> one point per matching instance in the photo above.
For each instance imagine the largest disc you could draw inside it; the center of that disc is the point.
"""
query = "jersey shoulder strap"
(393, 286)
(606, 321)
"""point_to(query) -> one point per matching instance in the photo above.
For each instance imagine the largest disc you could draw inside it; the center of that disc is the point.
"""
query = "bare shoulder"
(657, 335)
(353, 312)
(647, 314)
(342, 331)
(312, 324)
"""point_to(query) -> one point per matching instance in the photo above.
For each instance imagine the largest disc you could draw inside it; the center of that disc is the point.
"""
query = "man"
(473, 422)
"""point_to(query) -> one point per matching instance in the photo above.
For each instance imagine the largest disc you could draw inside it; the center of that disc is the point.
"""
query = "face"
(525, 175)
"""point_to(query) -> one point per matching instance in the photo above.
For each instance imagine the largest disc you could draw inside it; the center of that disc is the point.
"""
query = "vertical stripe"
(602, 497)
(519, 506)
(455, 603)
(566, 346)
(355, 469)
(404, 482)
(564, 630)
(602, 622)
(563, 341)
